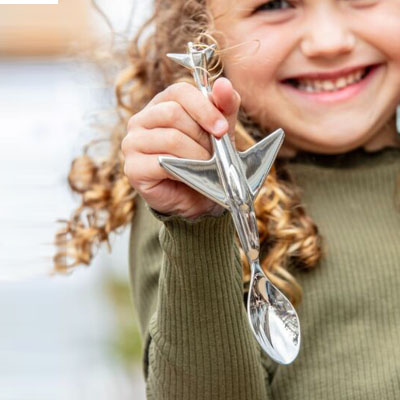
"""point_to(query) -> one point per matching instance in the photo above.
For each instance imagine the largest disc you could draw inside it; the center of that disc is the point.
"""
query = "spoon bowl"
(273, 319)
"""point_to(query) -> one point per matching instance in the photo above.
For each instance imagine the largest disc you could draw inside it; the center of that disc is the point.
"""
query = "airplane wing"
(258, 159)
(199, 175)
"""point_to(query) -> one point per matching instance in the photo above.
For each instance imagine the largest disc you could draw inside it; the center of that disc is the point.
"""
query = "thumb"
(227, 100)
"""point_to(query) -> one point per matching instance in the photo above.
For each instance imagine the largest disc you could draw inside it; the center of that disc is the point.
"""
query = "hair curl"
(108, 200)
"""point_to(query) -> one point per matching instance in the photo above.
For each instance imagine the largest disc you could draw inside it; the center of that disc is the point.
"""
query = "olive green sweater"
(187, 288)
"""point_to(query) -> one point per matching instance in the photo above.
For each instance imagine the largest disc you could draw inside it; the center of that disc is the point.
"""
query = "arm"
(198, 342)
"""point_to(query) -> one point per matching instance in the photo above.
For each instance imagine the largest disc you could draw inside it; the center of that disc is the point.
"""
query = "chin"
(329, 144)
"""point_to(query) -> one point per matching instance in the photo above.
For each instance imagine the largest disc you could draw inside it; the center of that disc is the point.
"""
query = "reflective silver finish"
(233, 179)
(273, 319)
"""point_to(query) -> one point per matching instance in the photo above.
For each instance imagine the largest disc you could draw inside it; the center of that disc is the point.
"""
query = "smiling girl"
(328, 73)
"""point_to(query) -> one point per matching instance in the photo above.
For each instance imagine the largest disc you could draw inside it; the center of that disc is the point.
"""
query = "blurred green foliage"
(127, 343)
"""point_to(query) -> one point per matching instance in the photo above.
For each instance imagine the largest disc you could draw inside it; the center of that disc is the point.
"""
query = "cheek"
(382, 30)
(386, 43)
(263, 50)
(254, 61)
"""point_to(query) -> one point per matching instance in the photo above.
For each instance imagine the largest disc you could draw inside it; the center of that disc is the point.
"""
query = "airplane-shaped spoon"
(233, 180)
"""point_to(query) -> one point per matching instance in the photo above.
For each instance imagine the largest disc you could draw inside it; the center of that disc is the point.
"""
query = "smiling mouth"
(319, 85)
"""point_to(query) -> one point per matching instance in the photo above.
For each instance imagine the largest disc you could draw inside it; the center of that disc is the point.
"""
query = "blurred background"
(66, 337)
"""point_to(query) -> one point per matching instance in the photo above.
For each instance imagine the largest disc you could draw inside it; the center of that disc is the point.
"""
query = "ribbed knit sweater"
(188, 292)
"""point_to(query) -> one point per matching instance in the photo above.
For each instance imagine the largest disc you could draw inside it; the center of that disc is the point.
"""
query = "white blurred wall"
(55, 332)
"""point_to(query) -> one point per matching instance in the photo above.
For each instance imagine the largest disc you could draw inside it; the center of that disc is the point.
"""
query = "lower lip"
(338, 95)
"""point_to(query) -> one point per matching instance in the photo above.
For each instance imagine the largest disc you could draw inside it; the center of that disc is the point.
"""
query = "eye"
(274, 5)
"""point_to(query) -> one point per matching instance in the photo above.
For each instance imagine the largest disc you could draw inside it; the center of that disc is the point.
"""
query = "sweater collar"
(357, 157)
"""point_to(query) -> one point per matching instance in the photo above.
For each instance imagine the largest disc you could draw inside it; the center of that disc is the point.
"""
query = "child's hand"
(177, 122)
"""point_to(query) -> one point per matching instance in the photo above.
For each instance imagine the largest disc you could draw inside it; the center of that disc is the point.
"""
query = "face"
(327, 71)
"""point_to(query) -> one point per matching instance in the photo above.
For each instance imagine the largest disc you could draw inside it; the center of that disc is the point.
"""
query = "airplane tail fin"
(257, 160)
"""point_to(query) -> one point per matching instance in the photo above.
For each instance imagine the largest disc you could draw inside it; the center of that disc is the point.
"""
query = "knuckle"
(168, 92)
(171, 111)
(179, 87)
(131, 173)
(131, 141)
(124, 145)
(173, 138)
(155, 99)
(126, 169)
(127, 144)
(132, 122)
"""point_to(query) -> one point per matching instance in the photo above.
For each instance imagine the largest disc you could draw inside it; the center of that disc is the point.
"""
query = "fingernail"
(221, 126)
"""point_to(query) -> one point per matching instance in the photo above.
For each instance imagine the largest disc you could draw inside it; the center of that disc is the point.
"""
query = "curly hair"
(107, 199)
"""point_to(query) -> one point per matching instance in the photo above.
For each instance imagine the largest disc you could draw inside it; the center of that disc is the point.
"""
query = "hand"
(177, 122)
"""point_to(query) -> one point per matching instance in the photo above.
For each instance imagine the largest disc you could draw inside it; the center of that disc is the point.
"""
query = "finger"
(143, 170)
(196, 105)
(169, 141)
(171, 114)
(162, 191)
(227, 100)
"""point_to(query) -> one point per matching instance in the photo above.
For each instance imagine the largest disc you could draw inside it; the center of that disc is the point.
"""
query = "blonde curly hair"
(108, 201)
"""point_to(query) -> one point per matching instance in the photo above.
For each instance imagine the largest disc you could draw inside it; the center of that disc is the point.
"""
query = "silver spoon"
(233, 179)
(272, 317)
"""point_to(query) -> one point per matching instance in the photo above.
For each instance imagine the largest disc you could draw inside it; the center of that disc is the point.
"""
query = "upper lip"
(325, 75)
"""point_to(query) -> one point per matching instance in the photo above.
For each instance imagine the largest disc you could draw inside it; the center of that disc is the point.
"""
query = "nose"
(327, 35)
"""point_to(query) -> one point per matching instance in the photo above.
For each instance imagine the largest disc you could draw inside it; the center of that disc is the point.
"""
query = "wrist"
(214, 211)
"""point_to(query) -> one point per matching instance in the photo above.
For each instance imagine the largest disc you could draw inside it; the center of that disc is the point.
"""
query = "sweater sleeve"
(187, 288)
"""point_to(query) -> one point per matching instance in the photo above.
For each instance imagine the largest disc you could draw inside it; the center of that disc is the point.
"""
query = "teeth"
(350, 79)
(341, 83)
(319, 85)
(328, 85)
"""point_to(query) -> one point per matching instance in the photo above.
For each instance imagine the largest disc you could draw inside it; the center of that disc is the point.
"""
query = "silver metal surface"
(233, 179)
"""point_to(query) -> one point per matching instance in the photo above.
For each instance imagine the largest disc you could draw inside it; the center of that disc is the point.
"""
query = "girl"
(328, 73)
